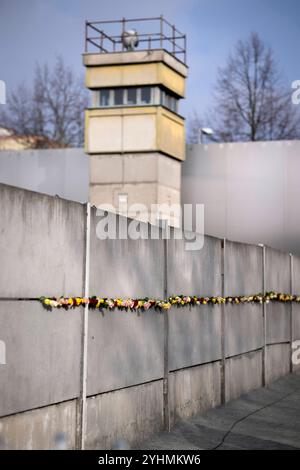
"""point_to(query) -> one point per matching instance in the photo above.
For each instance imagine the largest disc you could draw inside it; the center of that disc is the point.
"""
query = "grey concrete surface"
(267, 418)
(244, 200)
(243, 328)
(125, 268)
(64, 172)
(242, 374)
(125, 348)
(194, 336)
(296, 274)
(131, 414)
(42, 245)
(277, 270)
(40, 429)
(277, 361)
(243, 269)
(278, 322)
(194, 390)
(195, 272)
(296, 322)
(42, 356)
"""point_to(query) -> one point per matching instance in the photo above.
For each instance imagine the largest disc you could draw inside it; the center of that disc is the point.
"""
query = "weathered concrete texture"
(131, 414)
(194, 390)
(42, 356)
(63, 172)
(296, 290)
(243, 373)
(42, 429)
(243, 269)
(277, 361)
(240, 202)
(296, 322)
(195, 272)
(125, 348)
(194, 336)
(135, 169)
(296, 274)
(277, 271)
(278, 322)
(126, 268)
(243, 328)
(42, 244)
(264, 419)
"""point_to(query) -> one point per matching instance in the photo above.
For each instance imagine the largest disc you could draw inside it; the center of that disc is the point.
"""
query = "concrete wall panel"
(243, 328)
(277, 271)
(42, 356)
(195, 272)
(243, 269)
(277, 361)
(296, 322)
(194, 390)
(296, 290)
(296, 275)
(125, 268)
(42, 244)
(243, 373)
(41, 429)
(125, 348)
(278, 322)
(194, 336)
(131, 414)
(244, 200)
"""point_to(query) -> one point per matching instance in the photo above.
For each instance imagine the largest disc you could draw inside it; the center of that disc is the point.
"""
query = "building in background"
(134, 134)
(11, 141)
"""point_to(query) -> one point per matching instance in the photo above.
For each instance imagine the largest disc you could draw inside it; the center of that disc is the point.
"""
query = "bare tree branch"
(51, 112)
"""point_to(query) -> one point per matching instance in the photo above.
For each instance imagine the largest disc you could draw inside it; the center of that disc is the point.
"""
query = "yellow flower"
(47, 301)
(166, 305)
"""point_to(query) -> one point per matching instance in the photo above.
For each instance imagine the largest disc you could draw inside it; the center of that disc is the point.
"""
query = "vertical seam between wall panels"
(264, 320)
(166, 397)
(223, 360)
(81, 428)
(291, 312)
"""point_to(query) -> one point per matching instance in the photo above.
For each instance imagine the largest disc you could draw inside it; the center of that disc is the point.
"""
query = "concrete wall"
(243, 199)
(42, 245)
(250, 190)
(213, 353)
(64, 172)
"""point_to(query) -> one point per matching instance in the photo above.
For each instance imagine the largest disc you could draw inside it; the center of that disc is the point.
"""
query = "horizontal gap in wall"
(195, 365)
(243, 353)
(124, 388)
(36, 408)
(279, 342)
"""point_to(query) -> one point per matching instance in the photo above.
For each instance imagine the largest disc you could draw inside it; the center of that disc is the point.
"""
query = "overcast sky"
(39, 30)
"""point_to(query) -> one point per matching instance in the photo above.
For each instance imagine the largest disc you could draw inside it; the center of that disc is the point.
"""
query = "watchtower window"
(146, 95)
(104, 97)
(135, 96)
(118, 96)
(132, 95)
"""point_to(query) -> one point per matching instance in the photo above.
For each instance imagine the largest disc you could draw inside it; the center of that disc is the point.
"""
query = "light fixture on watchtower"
(130, 39)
